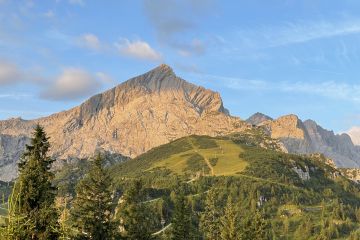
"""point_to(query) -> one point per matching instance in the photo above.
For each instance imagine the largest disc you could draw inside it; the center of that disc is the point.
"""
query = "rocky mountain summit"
(308, 137)
(258, 118)
(129, 119)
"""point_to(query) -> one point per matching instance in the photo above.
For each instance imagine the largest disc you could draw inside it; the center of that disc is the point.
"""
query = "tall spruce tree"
(229, 222)
(256, 227)
(181, 220)
(134, 214)
(93, 206)
(210, 219)
(34, 212)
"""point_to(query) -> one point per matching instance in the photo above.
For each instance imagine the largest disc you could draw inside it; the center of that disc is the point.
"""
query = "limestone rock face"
(135, 116)
(288, 126)
(308, 137)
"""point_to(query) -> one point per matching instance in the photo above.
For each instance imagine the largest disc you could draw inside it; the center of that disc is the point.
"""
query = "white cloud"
(72, 84)
(9, 73)
(137, 49)
(90, 41)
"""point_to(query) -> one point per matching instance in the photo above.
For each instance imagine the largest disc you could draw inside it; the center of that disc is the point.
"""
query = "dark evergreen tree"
(256, 227)
(260, 227)
(181, 219)
(92, 209)
(210, 219)
(229, 222)
(34, 195)
(304, 231)
(134, 215)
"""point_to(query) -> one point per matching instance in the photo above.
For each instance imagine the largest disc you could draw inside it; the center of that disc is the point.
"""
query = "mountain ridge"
(153, 109)
(131, 118)
(307, 137)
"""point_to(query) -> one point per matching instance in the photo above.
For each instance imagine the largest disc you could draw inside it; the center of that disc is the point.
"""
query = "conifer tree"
(255, 227)
(260, 227)
(304, 231)
(181, 220)
(134, 215)
(229, 222)
(93, 206)
(210, 219)
(34, 214)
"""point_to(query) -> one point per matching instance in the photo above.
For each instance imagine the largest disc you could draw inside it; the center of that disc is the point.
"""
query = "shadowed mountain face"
(308, 137)
(135, 116)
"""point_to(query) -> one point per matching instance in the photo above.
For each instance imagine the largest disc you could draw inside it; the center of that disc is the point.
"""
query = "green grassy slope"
(214, 156)
(238, 166)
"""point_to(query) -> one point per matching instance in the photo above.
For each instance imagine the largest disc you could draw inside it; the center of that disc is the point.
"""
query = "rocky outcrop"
(258, 118)
(135, 116)
(351, 173)
(308, 137)
(303, 175)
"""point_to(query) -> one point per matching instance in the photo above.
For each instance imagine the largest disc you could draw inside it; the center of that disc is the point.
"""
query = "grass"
(225, 151)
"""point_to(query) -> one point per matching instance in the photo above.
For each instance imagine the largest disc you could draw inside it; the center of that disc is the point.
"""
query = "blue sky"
(276, 57)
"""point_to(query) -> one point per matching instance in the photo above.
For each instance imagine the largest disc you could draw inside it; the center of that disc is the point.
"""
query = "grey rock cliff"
(308, 137)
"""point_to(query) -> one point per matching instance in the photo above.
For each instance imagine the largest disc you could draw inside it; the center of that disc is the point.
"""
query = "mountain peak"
(258, 118)
(164, 68)
(160, 78)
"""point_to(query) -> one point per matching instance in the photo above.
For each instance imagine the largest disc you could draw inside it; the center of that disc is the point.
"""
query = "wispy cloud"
(90, 41)
(105, 78)
(170, 18)
(11, 74)
(77, 2)
(297, 32)
(329, 89)
(16, 96)
(137, 49)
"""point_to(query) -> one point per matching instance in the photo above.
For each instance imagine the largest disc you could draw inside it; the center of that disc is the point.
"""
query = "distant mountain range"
(153, 109)
(308, 137)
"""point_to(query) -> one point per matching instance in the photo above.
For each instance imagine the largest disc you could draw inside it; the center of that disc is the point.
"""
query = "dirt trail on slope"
(205, 158)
